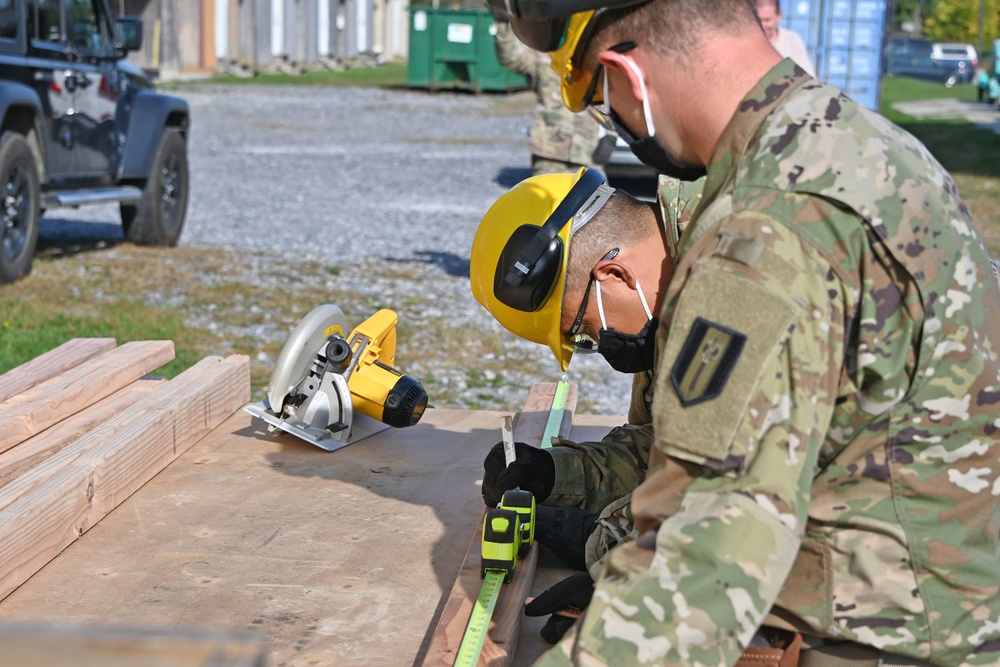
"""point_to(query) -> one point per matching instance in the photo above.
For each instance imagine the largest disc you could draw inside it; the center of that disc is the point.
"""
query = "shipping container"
(845, 39)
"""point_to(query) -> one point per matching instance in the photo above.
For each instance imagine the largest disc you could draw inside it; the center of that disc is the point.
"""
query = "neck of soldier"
(699, 93)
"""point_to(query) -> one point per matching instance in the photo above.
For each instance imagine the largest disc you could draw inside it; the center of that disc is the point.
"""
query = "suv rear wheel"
(19, 207)
(158, 217)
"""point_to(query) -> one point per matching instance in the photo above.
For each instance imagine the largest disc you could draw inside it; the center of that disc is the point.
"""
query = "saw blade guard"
(300, 350)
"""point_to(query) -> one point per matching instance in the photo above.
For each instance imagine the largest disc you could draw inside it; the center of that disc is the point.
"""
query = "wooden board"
(70, 354)
(91, 645)
(501, 642)
(56, 502)
(33, 451)
(45, 404)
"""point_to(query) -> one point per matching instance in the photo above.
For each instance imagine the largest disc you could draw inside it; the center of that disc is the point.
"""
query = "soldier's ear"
(612, 269)
(622, 69)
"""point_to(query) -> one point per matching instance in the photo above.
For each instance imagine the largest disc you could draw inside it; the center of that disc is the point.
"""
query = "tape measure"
(502, 535)
(554, 422)
(475, 633)
(500, 549)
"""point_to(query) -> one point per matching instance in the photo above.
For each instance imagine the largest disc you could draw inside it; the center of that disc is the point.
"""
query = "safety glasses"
(582, 341)
(600, 110)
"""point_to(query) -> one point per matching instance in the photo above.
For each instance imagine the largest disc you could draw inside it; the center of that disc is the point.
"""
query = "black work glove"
(572, 594)
(533, 470)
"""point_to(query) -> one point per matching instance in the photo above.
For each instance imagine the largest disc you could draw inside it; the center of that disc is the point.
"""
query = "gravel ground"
(388, 186)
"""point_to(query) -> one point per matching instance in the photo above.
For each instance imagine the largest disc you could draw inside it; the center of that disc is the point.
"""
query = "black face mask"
(651, 153)
(629, 353)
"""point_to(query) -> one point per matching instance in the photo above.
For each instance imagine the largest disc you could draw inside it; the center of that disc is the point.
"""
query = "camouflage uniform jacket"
(826, 406)
(556, 132)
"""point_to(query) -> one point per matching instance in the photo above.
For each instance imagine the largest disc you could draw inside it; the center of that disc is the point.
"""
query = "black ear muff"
(517, 268)
(532, 292)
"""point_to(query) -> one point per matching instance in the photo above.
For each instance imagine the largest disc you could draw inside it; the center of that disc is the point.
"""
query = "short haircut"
(624, 222)
(773, 3)
(669, 27)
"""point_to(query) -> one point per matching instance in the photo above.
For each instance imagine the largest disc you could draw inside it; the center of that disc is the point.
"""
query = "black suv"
(80, 125)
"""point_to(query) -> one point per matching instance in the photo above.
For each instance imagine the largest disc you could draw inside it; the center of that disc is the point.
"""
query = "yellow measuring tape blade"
(554, 422)
(479, 623)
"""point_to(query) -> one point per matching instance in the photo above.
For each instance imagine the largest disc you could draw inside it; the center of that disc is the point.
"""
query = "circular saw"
(332, 390)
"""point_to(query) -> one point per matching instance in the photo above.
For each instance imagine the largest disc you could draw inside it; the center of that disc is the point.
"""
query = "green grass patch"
(900, 89)
(31, 326)
(382, 76)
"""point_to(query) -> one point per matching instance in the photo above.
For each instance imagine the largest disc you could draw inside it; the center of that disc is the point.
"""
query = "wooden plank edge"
(43, 405)
(41, 523)
(33, 451)
(138, 412)
(70, 354)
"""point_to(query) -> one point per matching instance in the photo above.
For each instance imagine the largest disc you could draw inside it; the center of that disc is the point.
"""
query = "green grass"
(27, 329)
(382, 76)
(899, 89)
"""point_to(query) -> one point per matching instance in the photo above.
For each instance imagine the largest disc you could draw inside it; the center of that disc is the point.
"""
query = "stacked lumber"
(505, 626)
(83, 426)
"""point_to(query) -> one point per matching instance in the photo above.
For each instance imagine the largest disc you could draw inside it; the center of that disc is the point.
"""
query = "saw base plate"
(361, 427)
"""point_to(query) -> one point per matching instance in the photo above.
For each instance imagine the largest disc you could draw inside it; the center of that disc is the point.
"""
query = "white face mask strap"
(645, 98)
(642, 297)
(600, 306)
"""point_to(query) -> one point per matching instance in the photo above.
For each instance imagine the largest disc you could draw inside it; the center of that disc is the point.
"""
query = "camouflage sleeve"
(590, 475)
(511, 53)
(721, 513)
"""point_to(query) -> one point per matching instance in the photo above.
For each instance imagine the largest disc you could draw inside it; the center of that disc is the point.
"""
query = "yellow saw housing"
(377, 388)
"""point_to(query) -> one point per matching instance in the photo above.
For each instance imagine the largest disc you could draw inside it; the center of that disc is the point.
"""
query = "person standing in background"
(561, 141)
(785, 42)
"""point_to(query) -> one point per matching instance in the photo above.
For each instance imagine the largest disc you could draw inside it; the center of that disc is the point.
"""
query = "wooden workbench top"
(339, 558)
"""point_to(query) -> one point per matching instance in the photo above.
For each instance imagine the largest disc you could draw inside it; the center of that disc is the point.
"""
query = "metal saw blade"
(301, 348)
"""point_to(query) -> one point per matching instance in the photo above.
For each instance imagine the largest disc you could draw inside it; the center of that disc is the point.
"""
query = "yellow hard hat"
(520, 251)
(562, 28)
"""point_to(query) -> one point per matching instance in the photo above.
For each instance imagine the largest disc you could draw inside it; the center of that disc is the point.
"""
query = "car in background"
(922, 59)
(963, 56)
(80, 125)
(624, 164)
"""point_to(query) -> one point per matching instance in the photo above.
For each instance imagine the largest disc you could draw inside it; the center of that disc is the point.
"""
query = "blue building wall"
(845, 39)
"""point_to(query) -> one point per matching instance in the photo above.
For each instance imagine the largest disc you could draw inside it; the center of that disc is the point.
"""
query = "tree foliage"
(958, 21)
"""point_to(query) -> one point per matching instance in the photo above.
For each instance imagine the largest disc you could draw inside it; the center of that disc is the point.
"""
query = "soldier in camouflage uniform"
(825, 455)
(584, 476)
(560, 141)
(573, 482)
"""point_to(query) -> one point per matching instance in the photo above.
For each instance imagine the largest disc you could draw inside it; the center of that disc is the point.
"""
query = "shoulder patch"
(705, 362)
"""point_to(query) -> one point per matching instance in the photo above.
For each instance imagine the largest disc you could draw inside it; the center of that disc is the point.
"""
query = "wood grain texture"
(70, 354)
(100, 645)
(26, 455)
(505, 626)
(45, 404)
(57, 501)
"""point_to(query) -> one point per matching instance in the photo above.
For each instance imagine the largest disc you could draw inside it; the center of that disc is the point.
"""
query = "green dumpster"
(453, 48)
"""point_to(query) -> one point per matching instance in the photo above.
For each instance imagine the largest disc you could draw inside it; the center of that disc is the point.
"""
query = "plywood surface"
(335, 558)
